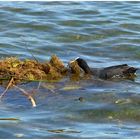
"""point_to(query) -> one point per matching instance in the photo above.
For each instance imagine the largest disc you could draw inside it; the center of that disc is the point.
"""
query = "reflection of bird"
(120, 71)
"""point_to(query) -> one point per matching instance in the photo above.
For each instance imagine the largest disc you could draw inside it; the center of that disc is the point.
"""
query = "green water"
(102, 33)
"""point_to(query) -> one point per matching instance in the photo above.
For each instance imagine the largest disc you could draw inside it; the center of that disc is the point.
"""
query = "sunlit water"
(104, 34)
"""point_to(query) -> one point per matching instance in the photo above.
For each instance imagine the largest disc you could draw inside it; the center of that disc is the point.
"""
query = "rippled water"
(103, 33)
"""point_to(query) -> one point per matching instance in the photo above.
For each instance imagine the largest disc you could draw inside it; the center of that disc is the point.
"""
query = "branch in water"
(27, 95)
(8, 86)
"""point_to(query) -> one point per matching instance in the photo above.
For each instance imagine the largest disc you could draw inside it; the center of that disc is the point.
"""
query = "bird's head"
(83, 64)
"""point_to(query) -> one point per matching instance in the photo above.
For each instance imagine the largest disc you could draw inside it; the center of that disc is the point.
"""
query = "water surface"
(103, 33)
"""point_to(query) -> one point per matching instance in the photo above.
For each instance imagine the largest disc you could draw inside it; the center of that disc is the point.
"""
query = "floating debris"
(9, 119)
(123, 101)
(71, 87)
(48, 86)
(110, 117)
(64, 131)
(57, 131)
(19, 135)
(31, 99)
(9, 84)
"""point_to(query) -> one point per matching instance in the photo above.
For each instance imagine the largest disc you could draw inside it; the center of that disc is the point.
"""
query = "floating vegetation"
(9, 119)
(71, 87)
(19, 135)
(49, 87)
(123, 101)
(63, 131)
(14, 71)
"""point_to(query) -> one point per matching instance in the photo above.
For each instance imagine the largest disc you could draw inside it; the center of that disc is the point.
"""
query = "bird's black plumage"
(109, 72)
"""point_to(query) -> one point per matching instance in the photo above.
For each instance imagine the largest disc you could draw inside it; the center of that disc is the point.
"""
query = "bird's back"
(118, 71)
(115, 71)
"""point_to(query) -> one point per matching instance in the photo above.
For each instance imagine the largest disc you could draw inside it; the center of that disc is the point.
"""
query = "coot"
(118, 71)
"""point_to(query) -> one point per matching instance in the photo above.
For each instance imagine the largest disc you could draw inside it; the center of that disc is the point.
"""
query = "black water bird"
(118, 71)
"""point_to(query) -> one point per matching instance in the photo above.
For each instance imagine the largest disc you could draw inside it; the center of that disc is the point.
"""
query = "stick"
(27, 95)
(39, 84)
(31, 54)
(9, 119)
(9, 84)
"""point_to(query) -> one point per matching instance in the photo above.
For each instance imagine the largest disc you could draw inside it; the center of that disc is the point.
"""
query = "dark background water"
(103, 33)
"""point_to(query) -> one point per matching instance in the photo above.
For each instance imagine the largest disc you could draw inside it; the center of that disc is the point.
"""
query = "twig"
(51, 90)
(27, 95)
(31, 54)
(9, 84)
(39, 84)
(9, 119)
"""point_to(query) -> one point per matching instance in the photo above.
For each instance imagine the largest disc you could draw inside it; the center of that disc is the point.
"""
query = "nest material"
(14, 71)
(75, 69)
(31, 70)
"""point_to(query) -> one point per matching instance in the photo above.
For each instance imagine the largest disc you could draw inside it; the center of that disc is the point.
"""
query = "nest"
(15, 71)
(31, 70)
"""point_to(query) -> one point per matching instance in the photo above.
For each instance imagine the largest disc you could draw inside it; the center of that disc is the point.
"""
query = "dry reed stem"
(27, 95)
(9, 84)
(9, 119)
(39, 84)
